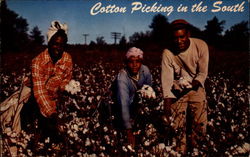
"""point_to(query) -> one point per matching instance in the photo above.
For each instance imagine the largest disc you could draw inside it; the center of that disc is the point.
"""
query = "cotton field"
(87, 125)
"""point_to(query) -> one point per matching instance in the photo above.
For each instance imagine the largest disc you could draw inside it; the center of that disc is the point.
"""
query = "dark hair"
(61, 33)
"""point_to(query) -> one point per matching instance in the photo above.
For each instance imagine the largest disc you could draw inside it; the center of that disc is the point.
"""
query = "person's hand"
(196, 84)
(147, 92)
(130, 137)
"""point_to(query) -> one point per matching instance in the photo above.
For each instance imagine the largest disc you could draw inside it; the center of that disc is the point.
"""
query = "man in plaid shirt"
(51, 71)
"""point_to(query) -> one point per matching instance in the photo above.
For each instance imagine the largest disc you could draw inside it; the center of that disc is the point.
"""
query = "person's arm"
(202, 65)
(167, 79)
(123, 100)
(167, 75)
(46, 105)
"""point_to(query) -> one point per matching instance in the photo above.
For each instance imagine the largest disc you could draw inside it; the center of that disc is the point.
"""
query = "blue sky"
(76, 13)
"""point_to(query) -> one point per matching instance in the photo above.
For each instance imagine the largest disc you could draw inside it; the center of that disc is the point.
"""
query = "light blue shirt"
(126, 89)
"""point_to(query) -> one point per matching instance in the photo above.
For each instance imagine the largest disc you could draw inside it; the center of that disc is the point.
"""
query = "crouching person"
(129, 80)
(51, 71)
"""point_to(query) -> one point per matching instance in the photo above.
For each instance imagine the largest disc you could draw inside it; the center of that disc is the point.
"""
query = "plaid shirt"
(48, 78)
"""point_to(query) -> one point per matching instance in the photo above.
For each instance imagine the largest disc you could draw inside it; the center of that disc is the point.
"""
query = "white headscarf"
(136, 52)
(55, 25)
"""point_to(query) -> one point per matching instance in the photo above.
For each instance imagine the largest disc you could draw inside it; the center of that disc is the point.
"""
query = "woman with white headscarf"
(129, 80)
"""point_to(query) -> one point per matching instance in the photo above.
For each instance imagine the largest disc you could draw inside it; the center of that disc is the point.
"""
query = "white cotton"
(146, 143)
(87, 142)
(130, 148)
(47, 140)
(73, 87)
(105, 129)
(147, 92)
(124, 149)
(161, 146)
(184, 83)
(75, 127)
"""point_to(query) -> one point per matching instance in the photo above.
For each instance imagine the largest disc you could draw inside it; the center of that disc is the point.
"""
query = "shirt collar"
(46, 57)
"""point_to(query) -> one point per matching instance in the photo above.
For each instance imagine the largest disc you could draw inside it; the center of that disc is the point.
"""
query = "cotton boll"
(79, 154)
(98, 97)
(184, 83)
(75, 127)
(102, 148)
(105, 129)
(161, 146)
(90, 99)
(96, 125)
(87, 142)
(147, 143)
(73, 87)
(147, 92)
(47, 140)
(106, 137)
(130, 148)
(124, 149)
(29, 152)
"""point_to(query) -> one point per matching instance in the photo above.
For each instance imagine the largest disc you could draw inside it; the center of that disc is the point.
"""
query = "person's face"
(56, 48)
(134, 65)
(181, 39)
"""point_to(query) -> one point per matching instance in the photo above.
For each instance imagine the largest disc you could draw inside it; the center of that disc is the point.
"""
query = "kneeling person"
(130, 79)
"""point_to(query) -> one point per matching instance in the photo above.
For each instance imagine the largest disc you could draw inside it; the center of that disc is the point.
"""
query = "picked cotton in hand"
(147, 92)
(73, 87)
(184, 83)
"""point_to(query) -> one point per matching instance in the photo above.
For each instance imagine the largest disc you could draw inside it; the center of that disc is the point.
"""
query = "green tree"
(140, 39)
(123, 41)
(14, 29)
(237, 37)
(100, 41)
(213, 31)
(36, 36)
(160, 32)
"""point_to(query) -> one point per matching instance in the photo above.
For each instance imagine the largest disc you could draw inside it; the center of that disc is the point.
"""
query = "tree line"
(15, 35)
